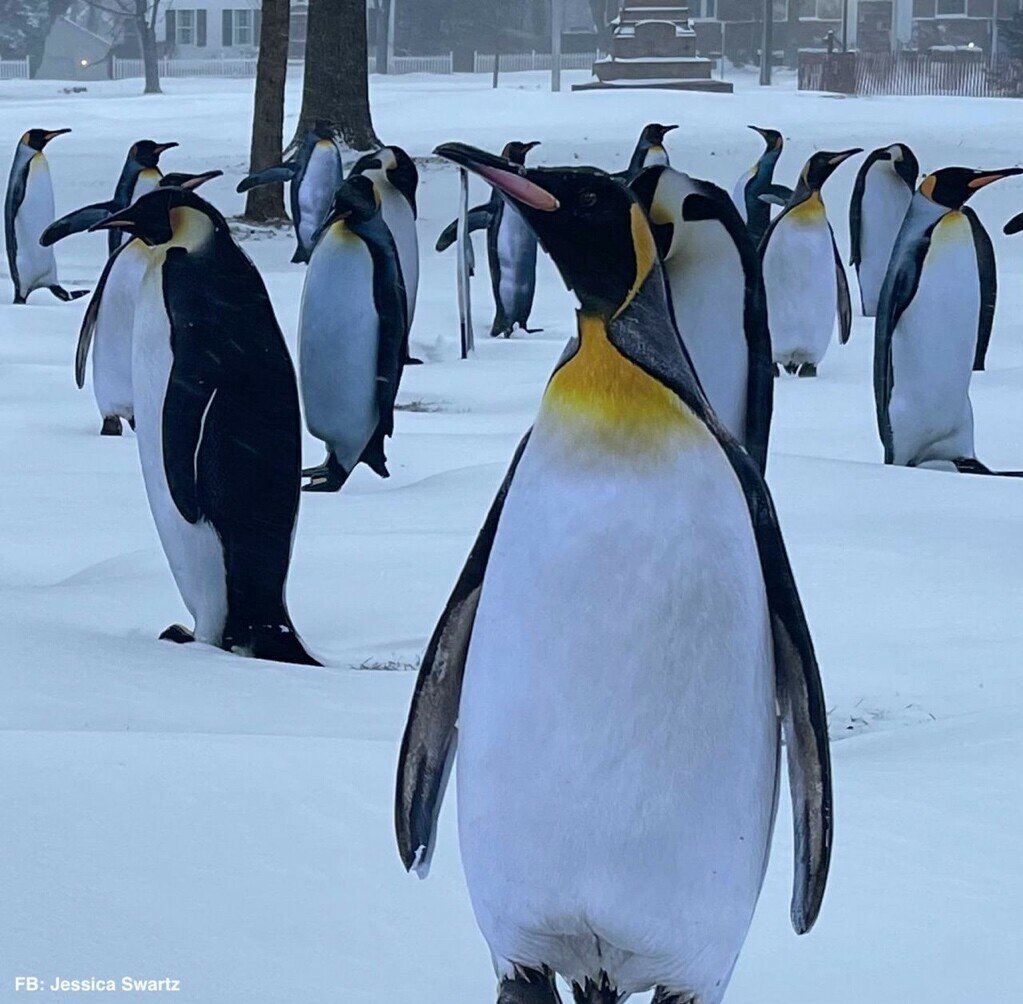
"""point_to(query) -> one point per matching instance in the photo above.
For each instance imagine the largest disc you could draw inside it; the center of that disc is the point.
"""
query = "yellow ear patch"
(607, 401)
(927, 186)
(645, 250)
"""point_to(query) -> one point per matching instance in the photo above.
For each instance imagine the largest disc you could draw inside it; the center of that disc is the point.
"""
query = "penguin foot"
(792, 368)
(178, 634)
(531, 331)
(662, 996)
(18, 299)
(66, 296)
(328, 478)
(412, 361)
(111, 426)
(530, 986)
(807, 370)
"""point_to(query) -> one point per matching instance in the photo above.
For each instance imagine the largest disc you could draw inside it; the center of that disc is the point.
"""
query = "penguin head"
(653, 133)
(323, 129)
(396, 165)
(671, 199)
(516, 151)
(952, 186)
(773, 139)
(178, 179)
(355, 200)
(822, 165)
(590, 224)
(146, 153)
(167, 215)
(36, 139)
(903, 161)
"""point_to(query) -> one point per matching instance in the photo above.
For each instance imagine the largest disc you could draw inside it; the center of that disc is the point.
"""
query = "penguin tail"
(374, 457)
(300, 257)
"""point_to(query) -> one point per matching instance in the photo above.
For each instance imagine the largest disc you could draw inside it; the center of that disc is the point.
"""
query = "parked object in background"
(803, 274)
(717, 297)
(511, 252)
(881, 196)
(926, 334)
(313, 172)
(28, 211)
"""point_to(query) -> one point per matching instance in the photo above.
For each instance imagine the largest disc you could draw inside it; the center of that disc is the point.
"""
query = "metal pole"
(464, 248)
(767, 44)
(845, 24)
(557, 20)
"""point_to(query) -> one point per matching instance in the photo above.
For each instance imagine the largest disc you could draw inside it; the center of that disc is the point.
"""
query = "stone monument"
(654, 45)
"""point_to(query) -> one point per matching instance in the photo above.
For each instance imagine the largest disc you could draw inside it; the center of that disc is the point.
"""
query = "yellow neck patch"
(605, 400)
(808, 211)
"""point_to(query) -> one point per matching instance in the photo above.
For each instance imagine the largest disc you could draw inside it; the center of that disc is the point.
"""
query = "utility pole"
(767, 44)
(557, 20)
(390, 34)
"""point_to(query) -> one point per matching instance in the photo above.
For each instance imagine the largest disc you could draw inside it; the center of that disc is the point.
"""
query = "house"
(74, 52)
(734, 26)
(205, 29)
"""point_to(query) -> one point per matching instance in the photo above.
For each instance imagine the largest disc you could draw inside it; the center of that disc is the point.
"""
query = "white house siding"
(194, 29)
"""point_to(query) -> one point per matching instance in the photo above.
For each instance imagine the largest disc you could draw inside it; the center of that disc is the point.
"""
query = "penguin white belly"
(707, 292)
(194, 552)
(37, 266)
(338, 341)
(397, 214)
(112, 339)
(932, 352)
(316, 189)
(801, 286)
(886, 199)
(618, 743)
(656, 156)
(516, 257)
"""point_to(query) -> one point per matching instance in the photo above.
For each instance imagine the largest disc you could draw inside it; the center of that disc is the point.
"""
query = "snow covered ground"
(184, 813)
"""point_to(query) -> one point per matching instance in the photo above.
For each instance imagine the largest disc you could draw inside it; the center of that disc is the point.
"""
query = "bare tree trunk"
(266, 202)
(147, 40)
(792, 35)
(336, 86)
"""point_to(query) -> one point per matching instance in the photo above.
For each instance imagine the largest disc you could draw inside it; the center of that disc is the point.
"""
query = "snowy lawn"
(184, 813)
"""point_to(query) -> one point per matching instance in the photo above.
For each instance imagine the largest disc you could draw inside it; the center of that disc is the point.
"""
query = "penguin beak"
(193, 181)
(985, 178)
(54, 133)
(163, 147)
(124, 220)
(530, 146)
(838, 158)
(502, 174)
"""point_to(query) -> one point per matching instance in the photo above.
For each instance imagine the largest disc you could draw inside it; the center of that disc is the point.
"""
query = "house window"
(821, 10)
(243, 24)
(951, 8)
(185, 34)
(706, 9)
(780, 10)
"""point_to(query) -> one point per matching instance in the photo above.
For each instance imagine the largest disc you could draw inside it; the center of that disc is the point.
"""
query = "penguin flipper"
(897, 292)
(478, 218)
(88, 328)
(844, 300)
(1014, 226)
(277, 175)
(987, 270)
(773, 200)
(76, 222)
(12, 203)
(428, 744)
(777, 192)
(67, 295)
(856, 206)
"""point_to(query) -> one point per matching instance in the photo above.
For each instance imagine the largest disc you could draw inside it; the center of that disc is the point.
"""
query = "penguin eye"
(588, 199)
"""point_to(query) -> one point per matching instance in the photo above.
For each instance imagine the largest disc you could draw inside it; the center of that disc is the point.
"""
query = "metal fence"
(14, 69)
(910, 73)
(512, 61)
(122, 69)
